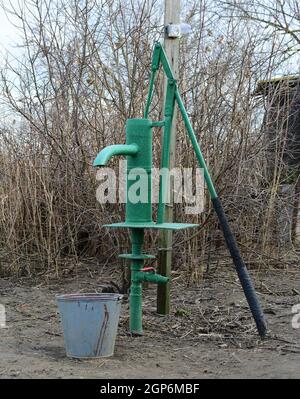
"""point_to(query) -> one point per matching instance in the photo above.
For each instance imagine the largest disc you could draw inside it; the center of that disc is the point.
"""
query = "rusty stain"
(102, 331)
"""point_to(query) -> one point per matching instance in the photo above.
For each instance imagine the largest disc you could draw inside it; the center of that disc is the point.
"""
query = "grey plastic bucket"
(90, 323)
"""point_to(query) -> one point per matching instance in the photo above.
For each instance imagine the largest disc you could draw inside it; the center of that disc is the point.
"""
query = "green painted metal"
(137, 278)
(154, 68)
(152, 225)
(117, 149)
(151, 277)
(169, 111)
(158, 57)
(238, 261)
(158, 123)
(136, 257)
(195, 145)
(138, 150)
(165, 156)
(149, 99)
(139, 132)
(165, 62)
(135, 298)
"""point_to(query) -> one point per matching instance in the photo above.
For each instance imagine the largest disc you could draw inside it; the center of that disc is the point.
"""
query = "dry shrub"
(84, 71)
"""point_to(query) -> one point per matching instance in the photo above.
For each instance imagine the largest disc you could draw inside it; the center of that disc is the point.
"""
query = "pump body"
(138, 152)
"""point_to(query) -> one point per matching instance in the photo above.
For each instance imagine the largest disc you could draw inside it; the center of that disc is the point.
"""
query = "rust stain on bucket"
(102, 331)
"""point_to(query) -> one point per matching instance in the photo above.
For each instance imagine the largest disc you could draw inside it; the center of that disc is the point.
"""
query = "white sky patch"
(10, 38)
(7, 30)
(10, 35)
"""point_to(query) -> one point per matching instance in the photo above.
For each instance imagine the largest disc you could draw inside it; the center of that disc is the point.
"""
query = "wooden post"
(172, 15)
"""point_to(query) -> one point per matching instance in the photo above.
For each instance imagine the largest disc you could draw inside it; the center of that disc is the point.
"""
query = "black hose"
(241, 269)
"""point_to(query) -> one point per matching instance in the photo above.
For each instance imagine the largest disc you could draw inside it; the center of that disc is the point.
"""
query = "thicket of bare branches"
(84, 71)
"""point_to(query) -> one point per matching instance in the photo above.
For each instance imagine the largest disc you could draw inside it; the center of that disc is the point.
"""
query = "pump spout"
(118, 149)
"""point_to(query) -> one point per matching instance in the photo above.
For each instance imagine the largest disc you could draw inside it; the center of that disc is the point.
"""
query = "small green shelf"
(152, 225)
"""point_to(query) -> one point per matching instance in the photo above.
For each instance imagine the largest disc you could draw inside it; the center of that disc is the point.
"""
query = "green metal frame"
(159, 57)
(138, 150)
(172, 95)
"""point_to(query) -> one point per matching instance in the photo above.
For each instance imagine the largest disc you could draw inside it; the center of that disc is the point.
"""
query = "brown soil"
(209, 333)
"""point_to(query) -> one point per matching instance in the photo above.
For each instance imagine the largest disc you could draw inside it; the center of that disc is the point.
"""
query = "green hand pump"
(138, 151)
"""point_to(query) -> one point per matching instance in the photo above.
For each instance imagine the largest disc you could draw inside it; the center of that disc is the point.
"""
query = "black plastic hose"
(241, 269)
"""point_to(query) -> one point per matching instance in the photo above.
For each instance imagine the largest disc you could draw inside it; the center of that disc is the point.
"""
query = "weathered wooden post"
(171, 45)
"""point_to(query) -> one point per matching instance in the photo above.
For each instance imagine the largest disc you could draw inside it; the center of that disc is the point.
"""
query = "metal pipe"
(117, 149)
(138, 276)
(195, 145)
(135, 298)
(165, 155)
(150, 94)
(152, 278)
(154, 68)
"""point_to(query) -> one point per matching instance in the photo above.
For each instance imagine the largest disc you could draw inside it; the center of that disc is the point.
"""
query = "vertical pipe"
(135, 298)
(139, 168)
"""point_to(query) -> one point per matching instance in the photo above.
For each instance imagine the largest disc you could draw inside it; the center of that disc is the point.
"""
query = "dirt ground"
(209, 333)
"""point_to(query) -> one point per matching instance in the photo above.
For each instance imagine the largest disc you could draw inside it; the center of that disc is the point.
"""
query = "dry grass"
(80, 79)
